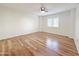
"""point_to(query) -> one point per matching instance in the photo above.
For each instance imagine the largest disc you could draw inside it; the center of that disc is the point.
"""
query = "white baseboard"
(10, 36)
(77, 44)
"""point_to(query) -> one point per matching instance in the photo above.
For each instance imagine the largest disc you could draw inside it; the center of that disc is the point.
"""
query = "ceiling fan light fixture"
(42, 9)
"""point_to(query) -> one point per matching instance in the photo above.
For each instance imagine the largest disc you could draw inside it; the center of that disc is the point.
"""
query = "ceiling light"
(43, 9)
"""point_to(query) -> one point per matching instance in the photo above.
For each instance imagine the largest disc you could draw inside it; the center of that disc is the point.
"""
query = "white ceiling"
(34, 8)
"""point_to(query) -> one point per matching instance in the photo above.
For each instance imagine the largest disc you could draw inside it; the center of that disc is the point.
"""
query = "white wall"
(77, 28)
(13, 23)
(66, 23)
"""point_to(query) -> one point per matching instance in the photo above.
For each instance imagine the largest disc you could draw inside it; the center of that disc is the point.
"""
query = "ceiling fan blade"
(46, 11)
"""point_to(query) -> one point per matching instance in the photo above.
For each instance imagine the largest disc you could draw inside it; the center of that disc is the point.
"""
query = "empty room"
(39, 29)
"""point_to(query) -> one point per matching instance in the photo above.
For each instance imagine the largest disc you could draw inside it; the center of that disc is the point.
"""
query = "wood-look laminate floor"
(38, 44)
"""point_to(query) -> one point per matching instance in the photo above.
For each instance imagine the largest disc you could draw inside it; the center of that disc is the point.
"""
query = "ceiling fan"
(43, 8)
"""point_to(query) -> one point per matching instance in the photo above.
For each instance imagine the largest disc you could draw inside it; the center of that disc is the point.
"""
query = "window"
(53, 22)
